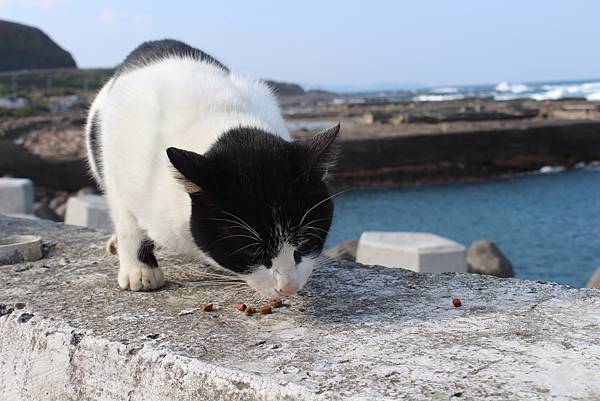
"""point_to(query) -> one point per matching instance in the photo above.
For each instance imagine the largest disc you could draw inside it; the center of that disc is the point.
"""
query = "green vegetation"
(54, 82)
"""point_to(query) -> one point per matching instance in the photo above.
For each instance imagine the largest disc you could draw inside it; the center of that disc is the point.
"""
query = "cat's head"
(260, 206)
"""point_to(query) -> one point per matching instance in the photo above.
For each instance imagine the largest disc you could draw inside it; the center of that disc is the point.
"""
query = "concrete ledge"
(88, 211)
(419, 252)
(355, 333)
(16, 196)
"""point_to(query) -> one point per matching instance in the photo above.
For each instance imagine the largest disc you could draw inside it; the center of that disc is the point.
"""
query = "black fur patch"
(150, 52)
(145, 253)
(94, 142)
(257, 192)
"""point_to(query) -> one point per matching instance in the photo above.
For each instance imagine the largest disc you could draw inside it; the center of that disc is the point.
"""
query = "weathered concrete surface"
(365, 333)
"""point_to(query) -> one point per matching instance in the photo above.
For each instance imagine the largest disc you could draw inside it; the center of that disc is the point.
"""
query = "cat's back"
(152, 52)
(169, 94)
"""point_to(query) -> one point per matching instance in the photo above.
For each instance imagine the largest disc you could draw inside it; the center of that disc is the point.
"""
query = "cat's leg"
(138, 267)
(111, 245)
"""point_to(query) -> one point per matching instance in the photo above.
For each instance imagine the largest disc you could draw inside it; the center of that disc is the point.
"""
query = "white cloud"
(107, 17)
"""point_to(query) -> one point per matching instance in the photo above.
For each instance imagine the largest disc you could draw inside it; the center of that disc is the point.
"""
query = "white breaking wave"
(553, 94)
(551, 169)
(593, 97)
(514, 88)
(437, 98)
(448, 89)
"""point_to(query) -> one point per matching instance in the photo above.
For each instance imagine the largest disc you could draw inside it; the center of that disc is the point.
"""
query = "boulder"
(345, 250)
(594, 280)
(44, 211)
(484, 257)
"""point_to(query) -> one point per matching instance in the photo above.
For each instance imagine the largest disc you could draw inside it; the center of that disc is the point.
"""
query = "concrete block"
(16, 196)
(68, 332)
(88, 211)
(420, 252)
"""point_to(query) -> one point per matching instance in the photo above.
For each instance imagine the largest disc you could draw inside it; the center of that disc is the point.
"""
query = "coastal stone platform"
(355, 333)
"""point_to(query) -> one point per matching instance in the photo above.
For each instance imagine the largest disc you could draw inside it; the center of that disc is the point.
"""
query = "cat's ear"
(191, 169)
(323, 151)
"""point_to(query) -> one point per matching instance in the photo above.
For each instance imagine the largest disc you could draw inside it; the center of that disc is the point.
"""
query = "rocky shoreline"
(382, 145)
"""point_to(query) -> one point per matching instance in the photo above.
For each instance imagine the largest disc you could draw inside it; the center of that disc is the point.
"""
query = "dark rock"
(25, 317)
(87, 191)
(594, 280)
(44, 211)
(346, 250)
(24, 47)
(5, 310)
(484, 257)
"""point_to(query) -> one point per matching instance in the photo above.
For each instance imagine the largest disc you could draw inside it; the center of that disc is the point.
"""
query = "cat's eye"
(297, 257)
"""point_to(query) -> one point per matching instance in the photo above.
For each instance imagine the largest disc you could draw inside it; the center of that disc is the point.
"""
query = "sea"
(547, 223)
(588, 89)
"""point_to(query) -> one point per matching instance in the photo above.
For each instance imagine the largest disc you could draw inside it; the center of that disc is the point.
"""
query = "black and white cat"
(197, 159)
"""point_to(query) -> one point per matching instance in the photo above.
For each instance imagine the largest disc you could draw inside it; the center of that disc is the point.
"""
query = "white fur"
(175, 102)
(283, 273)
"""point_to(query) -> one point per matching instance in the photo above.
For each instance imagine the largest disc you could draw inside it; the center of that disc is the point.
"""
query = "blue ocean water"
(588, 89)
(548, 225)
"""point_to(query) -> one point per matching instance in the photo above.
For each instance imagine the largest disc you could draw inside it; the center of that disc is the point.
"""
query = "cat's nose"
(287, 290)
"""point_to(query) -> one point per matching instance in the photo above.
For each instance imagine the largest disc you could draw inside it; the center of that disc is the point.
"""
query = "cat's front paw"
(139, 277)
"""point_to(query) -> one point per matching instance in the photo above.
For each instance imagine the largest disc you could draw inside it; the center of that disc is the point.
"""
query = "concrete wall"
(459, 156)
(67, 332)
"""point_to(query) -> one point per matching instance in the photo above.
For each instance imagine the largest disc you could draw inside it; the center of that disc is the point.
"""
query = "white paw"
(139, 277)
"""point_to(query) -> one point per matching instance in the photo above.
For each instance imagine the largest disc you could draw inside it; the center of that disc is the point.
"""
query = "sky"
(334, 44)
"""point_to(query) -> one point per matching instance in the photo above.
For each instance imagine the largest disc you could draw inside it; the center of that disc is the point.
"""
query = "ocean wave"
(445, 89)
(437, 98)
(593, 97)
(514, 88)
(553, 94)
(551, 169)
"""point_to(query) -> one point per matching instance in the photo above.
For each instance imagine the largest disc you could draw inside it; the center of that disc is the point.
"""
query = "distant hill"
(285, 88)
(24, 47)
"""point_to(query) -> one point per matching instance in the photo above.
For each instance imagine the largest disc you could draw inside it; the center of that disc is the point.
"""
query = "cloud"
(107, 17)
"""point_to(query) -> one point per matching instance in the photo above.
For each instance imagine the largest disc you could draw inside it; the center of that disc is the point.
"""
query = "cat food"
(266, 310)
(240, 306)
(276, 303)
(456, 302)
(249, 311)
(207, 307)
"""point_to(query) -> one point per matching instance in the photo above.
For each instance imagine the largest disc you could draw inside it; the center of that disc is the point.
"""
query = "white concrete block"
(420, 252)
(16, 196)
(88, 211)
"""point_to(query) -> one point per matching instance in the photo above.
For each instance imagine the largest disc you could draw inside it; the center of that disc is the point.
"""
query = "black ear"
(323, 151)
(191, 169)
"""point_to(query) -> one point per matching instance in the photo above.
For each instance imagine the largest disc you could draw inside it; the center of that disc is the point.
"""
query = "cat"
(197, 159)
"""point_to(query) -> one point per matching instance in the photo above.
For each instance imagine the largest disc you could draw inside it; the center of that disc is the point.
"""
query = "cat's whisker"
(319, 203)
(312, 228)
(314, 235)
(230, 236)
(244, 247)
(240, 220)
(236, 225)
